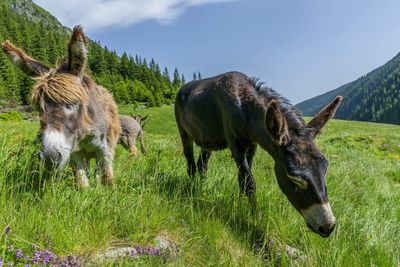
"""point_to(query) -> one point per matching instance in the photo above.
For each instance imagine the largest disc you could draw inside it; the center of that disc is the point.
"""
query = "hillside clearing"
(209, 220)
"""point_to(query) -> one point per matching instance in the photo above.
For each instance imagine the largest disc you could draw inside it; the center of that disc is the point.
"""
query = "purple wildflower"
(132, 253)
(154, 251)
(27, 265)
(1, 262)
(18, 253)
(35, 257)
(64, 262)
(139, 250)
(151, 251)
(7, 230)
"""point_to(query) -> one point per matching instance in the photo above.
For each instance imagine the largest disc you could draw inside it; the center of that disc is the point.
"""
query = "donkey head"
(301, 168)
(61, 96)
(141, 120)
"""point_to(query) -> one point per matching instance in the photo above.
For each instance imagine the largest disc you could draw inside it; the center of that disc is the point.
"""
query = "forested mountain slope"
(130, 79)
(373, 97)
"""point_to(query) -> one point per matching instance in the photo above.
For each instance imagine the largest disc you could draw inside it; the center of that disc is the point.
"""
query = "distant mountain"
(130, 79)
(35, 14)
(372, 97)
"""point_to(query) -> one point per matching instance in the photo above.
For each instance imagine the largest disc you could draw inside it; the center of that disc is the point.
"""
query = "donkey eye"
(298, 181)
(69, 106)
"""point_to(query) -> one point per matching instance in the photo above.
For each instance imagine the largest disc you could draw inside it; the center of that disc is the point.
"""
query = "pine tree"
(157, 69)
(112, 62)
(166, 73)
(152, 64)
(176, 81)
(125, 66)
(183, 81)
(53, 51)
(194, 76)
(38, 45)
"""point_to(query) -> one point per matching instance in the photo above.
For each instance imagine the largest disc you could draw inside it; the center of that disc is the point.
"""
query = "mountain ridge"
(372, 97)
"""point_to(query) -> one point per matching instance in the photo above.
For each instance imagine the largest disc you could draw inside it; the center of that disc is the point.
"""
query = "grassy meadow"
(208, 219)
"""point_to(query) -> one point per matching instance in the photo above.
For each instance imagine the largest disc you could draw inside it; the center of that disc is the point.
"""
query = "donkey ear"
(135, 117)
(28, 65)
(276, 124)
(144, 121)
(77, 52)
(319, 121)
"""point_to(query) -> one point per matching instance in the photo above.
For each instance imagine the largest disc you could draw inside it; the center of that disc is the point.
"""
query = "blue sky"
(301, 48)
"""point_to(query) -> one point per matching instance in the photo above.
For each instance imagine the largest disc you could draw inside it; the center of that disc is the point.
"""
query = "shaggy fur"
(27, 64)
(59, 88)
(78, 118)
(77, 51)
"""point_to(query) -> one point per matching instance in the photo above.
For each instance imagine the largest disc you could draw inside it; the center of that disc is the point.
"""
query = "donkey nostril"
(322, 230)
(59, 157)
(326, 229)
(40, 156)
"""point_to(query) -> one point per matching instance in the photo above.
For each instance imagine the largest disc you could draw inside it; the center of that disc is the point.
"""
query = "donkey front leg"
(79, 166)
(132, 146)
(104, 168)
(250, 152)
(246, 180)
(202, 163)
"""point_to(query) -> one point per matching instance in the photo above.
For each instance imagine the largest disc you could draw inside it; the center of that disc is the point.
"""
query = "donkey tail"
(141, 135)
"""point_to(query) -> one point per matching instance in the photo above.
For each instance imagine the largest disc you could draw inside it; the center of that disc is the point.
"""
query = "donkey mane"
(60, 88)
(291, 113)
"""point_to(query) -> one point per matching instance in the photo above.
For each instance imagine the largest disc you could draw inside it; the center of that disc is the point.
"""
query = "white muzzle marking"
(56, 146)
(319, 215)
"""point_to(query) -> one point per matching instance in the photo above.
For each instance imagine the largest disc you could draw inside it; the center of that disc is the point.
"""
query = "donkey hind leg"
(104, 168)
(79, 166)
(246, 181)
(202, 163)
(187, 143)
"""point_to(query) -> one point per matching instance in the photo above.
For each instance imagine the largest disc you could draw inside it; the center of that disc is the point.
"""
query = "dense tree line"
(373, 97)
(130, 79)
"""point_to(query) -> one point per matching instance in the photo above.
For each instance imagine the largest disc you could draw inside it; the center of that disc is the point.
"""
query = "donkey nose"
(50, 157)
(326, 229)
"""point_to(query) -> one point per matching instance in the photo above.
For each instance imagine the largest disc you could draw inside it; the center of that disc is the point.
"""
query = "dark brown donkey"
(78, 118)
(233, 111)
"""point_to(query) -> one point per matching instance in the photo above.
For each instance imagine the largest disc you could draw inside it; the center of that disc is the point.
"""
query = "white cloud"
(98, 14)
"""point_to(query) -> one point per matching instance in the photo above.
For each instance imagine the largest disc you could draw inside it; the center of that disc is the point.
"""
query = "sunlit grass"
(208, 219)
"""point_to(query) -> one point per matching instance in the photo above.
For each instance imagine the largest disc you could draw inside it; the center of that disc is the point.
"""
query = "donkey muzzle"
(51, 160)
(319, 218)
(55, 150)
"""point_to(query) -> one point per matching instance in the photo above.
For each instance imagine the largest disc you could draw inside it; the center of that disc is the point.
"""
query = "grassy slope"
(209, 220)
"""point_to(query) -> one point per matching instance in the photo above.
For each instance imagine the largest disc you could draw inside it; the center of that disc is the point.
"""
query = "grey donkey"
(132, 128)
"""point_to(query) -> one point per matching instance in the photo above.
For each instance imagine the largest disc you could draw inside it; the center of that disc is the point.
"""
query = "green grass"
(209, 220)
